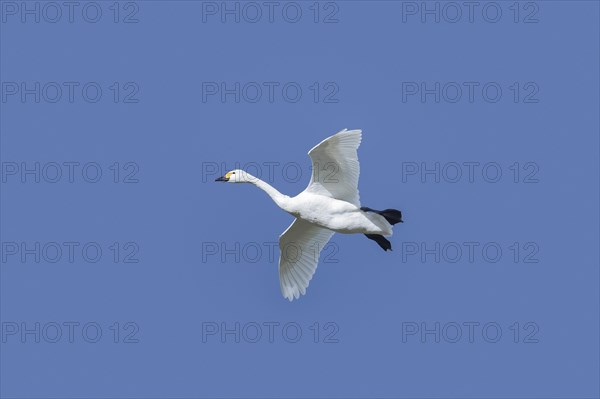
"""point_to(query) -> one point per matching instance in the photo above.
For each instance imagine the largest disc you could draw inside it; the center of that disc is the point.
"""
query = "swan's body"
(336, 215)
(330, 204)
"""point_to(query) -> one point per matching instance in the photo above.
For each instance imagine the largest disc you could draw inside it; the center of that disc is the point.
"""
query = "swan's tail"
(392, 216)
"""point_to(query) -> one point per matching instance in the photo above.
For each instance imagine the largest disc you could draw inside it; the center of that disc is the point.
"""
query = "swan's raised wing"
(335, 167)
(299, 249)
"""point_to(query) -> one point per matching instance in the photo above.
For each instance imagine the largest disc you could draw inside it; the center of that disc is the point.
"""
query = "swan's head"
(237, 176)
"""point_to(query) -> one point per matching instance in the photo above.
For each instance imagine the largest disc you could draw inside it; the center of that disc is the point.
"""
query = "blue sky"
(141, 277)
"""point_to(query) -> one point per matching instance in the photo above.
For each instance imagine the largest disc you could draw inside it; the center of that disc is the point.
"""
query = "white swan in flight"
(330, 204)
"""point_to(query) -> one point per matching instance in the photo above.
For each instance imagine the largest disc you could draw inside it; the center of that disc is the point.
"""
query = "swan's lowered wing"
(299, 249)
(335, 167)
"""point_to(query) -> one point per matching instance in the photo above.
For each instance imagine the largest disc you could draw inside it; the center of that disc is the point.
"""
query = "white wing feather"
(336, 168)
(299, 249)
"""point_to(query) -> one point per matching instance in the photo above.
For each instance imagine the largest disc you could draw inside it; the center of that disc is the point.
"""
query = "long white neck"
(276, 196)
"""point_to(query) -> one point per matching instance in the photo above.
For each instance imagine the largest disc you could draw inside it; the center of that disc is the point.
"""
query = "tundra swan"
(330, 204)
